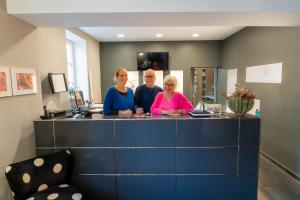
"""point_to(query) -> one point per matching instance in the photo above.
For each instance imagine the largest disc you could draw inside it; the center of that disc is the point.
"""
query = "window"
(179, 75)
(70, 63)
(270, 73)
(77, 63)
(231, 80)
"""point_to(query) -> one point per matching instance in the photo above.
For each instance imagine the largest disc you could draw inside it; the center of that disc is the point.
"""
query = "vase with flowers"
(240, 101)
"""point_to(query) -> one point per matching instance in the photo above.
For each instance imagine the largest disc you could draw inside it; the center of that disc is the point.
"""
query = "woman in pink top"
(170, 102)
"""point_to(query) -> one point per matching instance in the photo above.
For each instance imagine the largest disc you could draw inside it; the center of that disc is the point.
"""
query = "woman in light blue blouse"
(119, 99)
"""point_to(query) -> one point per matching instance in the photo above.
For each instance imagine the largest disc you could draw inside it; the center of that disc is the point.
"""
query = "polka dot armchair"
(43, 178)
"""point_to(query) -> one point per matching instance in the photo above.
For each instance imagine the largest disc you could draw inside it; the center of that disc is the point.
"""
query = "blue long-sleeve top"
(145, 96)
(115, 101)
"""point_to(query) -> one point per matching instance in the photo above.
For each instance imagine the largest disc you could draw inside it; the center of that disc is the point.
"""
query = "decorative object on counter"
(200, 106)
(23, 81)
(240, 101)
(257, 113)
(5, 82)
(72, 91)
(46, 113)
(213, 108)
(199, 113)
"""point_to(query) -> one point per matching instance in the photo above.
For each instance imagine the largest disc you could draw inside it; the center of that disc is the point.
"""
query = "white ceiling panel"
(109, 34)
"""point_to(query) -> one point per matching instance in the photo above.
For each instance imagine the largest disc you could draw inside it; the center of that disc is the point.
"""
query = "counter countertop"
(153, 117)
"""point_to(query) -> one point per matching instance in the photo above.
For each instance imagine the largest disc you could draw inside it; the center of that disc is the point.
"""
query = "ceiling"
(110, 34)
(140, 20)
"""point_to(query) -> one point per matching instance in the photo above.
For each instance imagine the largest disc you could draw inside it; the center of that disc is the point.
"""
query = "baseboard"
(281, 166)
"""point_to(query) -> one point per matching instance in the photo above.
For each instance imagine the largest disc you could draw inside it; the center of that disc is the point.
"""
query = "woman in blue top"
(119, 99)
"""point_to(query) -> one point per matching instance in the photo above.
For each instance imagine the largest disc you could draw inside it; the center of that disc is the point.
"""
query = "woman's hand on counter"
(139, 111)
(125, 112)
(173, 113)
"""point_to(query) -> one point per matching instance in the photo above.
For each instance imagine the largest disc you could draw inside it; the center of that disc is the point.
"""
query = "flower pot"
(240, 106)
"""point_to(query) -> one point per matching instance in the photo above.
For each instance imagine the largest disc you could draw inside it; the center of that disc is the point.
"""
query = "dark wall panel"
(150, 133)
(96, 187)
(197, 133)
(146, 161)
(93, 161)
(250, 132)
(247, 187)
(45, 137)
(146, 187)
(207, 188)
(207, 161)
(248, 160)
(85, 133)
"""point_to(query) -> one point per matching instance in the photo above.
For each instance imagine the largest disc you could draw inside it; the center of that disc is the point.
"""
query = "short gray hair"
(150, 71)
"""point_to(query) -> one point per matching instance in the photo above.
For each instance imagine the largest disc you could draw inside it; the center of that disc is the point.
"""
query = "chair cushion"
(30, 176)
(61, 192)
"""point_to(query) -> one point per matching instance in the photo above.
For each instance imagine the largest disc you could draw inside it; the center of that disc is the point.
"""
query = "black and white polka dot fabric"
(62, 192)
(43, 178)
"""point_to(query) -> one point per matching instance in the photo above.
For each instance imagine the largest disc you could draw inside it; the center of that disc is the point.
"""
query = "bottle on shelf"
(257, 113)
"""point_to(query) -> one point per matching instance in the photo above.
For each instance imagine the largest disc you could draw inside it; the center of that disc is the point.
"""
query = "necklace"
(121, 89)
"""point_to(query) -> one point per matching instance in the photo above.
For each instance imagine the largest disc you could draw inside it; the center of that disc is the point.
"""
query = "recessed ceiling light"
(121, 35)
(195, 35)
(159, 35)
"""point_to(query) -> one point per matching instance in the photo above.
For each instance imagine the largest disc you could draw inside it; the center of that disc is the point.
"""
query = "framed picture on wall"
(23, 81)
(58, 82)
(5, 82)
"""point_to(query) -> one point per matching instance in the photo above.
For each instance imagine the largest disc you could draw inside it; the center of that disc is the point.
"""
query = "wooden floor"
(274, 184)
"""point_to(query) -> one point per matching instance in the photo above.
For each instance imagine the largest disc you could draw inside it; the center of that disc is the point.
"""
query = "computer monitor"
(79, 100)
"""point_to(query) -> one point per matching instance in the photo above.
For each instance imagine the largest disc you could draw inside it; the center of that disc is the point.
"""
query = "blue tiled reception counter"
(158, 158)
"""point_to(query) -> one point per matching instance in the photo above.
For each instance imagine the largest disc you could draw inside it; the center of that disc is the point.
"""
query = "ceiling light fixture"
(121, 35)
(159, 35)
(195, 35)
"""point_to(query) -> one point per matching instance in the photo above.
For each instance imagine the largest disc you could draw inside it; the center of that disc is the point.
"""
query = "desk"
(158, 158)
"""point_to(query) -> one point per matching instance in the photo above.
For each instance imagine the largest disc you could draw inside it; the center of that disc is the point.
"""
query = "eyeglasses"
(169, 84)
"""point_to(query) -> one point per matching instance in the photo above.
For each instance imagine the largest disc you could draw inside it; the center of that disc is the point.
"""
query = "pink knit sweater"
(178, 101)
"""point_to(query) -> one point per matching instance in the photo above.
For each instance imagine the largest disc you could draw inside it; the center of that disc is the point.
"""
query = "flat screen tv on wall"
(153, 60)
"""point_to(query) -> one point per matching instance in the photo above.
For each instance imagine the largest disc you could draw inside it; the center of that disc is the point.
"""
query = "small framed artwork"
(58, 82)
(213, 108)
(5, 82)
(23, 81)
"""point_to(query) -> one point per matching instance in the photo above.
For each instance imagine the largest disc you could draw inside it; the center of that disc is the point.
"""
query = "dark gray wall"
(279, 102)
(182, 55)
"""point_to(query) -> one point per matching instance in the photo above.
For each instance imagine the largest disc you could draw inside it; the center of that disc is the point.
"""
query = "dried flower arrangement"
(240, 92)
(241, 100)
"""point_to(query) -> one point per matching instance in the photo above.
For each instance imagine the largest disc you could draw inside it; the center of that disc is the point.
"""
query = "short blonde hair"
(172, 79)
(118, 71)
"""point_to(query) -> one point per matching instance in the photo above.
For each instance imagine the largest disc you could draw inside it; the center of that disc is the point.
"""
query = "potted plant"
(240, 101)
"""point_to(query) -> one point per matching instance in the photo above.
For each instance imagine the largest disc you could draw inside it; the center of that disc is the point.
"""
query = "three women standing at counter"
(119, 99)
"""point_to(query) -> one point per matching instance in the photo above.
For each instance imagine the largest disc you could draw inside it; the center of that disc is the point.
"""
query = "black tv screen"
(153, 60)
